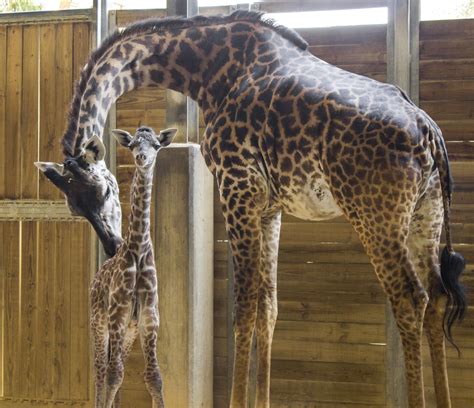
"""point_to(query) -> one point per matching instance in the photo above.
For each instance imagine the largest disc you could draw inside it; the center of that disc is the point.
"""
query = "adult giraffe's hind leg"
(242, 209)
(385, 240)
(267, 304)
(423, 241)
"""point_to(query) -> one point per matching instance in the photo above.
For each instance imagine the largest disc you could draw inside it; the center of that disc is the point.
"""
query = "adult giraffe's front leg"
(267, 304)
(243, 210)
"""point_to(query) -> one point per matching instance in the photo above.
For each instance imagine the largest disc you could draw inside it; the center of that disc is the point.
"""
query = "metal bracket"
(13, 210)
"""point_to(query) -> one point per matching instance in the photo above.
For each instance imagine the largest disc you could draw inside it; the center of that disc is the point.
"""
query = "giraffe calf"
(124, 297)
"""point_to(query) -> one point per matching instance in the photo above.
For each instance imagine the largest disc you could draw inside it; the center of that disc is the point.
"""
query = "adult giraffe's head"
(91, 190)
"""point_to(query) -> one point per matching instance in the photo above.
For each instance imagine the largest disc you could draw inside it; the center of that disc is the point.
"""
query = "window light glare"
(332, 18)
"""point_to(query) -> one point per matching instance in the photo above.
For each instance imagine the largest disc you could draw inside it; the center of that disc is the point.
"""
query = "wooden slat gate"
(46, 254)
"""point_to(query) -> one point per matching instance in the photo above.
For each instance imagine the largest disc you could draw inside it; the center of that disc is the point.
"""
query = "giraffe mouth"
(109, 240)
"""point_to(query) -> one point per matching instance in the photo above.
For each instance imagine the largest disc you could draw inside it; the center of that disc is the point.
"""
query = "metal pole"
(99, 8)
(182, 112)
(402, 70)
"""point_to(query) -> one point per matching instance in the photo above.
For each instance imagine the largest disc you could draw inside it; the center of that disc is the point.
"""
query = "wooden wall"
(44, 264)
(447, 94)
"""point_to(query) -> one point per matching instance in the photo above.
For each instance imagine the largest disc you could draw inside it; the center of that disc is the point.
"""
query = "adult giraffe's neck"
(138, 233)
(198, 61)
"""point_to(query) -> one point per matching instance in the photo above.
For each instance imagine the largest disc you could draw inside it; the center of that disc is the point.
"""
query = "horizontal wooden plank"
(142, 99)
(372, 295)
(131, 119)
(292, 233)
(462, 151)
(448, 109)
(358, 34)
(447, 69)
(447, 29)
(295, 403)
(447, 90)
(457, 130)
(47, 16)
(373, 70)
(330, 372)
(330, 332)
(446, 49)
(351, 54)
(321, 311)
(126, 17)
(328, 391)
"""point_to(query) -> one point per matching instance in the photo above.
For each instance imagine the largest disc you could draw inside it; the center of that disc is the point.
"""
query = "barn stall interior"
(335, 343)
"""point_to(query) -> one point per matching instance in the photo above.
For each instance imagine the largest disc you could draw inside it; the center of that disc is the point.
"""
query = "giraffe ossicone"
(124, 295)
(287, 132)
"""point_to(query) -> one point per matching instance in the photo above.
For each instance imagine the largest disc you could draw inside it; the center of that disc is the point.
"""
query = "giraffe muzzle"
(140, 159)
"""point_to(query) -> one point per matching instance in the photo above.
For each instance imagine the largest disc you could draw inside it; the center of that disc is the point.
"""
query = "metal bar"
(213, 10)
(402, 70)
(415, 10)
(272, 6)
(41, 17)
(182, 112)
(110, 143)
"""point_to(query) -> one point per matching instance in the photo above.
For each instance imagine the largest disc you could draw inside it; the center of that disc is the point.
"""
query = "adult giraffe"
(286, 132)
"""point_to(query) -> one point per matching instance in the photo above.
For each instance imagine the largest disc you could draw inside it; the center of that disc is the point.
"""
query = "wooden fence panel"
(446, 93)
(45, 266)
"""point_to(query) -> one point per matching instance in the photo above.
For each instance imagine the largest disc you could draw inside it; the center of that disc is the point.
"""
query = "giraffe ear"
(122, 136)
(166, 136)
(95, 149)
(54, 172)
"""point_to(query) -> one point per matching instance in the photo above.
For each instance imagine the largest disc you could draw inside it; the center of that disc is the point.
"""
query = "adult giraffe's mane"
(69, 143)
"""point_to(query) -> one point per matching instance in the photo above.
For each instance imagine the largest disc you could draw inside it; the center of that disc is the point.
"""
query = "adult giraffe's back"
(286, 132)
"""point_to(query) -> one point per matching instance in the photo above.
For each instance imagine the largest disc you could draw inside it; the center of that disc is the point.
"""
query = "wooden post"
(402, 70)
(184, 255)
(181, 111)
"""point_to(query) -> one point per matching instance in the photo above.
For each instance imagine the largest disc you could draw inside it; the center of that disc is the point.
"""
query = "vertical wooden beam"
(402, 70)
(181, 111)
(184, 261)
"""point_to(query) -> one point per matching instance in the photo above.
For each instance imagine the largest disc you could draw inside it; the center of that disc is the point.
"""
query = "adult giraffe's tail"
(452, 263)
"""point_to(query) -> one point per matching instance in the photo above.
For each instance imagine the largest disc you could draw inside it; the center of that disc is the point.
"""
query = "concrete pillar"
(184, 254)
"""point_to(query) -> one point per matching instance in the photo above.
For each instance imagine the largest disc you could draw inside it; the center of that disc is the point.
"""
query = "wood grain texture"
(3, 99)
(29, 113)
(45, 305)
(49, 146)
(11, 311)
(28, 284)
(13, 112)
